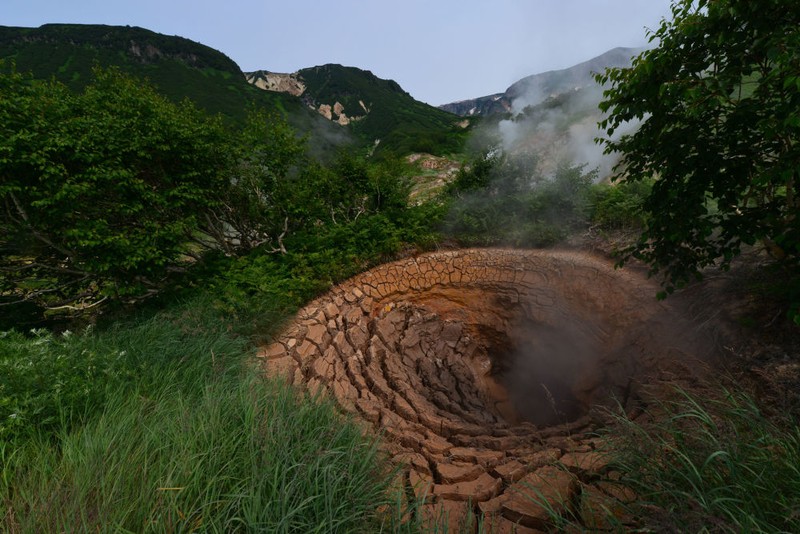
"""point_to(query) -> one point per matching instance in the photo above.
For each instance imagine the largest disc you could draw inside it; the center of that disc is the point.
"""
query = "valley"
(307, 301)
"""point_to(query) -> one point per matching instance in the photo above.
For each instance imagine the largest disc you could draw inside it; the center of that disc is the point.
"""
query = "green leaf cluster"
(619, 206)
(718, 99)
(100, 189)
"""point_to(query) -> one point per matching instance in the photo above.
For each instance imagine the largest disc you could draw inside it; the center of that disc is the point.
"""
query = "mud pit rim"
(353, 343)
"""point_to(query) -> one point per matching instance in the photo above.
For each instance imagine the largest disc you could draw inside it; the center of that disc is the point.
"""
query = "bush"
(100, 190)
(619, 206)
(502, 200)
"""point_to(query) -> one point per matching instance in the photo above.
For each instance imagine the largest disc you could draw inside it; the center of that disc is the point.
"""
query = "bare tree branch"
(44, 239)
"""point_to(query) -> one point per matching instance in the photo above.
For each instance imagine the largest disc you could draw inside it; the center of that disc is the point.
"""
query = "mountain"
(479, 107)
(178, 67)
(535, 89)
(332, 104)
(376, 110)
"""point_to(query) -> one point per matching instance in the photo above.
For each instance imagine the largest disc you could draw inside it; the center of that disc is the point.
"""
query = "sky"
(439, 51)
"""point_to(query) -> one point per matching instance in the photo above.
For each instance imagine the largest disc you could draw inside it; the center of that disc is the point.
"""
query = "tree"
(719, 103)
(505, 199)
(99, 191)
(257, 204)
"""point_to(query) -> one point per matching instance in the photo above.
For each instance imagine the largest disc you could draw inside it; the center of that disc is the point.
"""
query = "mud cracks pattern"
(484, 369)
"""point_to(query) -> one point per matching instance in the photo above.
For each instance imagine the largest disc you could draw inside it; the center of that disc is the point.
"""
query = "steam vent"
(484, 369)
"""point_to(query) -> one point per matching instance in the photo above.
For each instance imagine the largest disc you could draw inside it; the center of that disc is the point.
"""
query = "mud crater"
(484, 369)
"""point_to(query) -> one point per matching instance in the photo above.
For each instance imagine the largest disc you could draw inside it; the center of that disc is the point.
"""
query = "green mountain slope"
(181, 68)
(178, 67)
(373, 108)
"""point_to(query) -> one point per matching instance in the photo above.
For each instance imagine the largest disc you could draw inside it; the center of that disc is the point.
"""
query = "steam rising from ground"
(560, 128)
(540, 370)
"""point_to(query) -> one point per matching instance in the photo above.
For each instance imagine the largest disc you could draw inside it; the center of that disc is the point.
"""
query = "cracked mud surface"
(484, 369)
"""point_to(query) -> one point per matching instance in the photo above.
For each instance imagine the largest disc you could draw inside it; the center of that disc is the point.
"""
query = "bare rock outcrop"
(276, 81)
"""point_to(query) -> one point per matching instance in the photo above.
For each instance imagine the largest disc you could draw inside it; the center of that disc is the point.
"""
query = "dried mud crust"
(484, 370)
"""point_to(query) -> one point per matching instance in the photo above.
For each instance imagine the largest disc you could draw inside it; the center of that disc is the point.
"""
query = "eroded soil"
(487, 371)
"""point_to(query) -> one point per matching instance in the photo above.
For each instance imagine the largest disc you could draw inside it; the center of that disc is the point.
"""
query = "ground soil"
(490, 372)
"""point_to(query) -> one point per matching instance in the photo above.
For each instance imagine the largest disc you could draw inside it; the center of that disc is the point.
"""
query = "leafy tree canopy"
(107, 192)
(718, 99)
(99, 190)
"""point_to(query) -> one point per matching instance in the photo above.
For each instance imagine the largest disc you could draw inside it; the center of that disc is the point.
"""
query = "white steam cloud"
(560, 128)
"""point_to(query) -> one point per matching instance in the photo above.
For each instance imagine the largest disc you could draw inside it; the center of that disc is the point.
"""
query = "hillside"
(179, 68)
(378, 111)
(552, 115)
(534, 89)
(357, 104)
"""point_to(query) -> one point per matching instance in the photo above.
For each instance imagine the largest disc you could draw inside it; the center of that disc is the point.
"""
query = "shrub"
(619, 206)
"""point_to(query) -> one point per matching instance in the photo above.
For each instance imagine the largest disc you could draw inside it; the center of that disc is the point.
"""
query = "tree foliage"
(719, 103)
(275, 190)
(503, 199)
(99, 189)
(107, 192)
(255, 206)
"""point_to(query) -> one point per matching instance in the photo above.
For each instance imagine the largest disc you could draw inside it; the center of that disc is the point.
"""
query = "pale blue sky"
(437, 50)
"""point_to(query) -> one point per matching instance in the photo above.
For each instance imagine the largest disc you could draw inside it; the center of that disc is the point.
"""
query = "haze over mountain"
(553, 114)
(534, 89)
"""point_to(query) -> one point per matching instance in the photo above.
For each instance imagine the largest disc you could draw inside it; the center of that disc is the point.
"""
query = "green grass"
(160, 422)
(694, 463)
(711, 465)
(174, 430)
(48, 381)
(236, 455)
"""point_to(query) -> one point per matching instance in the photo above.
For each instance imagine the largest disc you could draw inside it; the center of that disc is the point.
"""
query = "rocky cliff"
(373, 108)
(275, 81)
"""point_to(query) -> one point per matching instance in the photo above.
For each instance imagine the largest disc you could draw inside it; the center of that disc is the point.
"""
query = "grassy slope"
(154, 424)
(177, 434)
(159, 422)
(403, 124)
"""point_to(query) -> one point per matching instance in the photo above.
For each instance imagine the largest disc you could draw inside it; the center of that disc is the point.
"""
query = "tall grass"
(243, 455)
(48, 381)
(712, 465)
(163, 425)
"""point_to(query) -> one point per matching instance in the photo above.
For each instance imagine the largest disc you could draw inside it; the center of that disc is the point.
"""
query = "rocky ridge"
(275, 81)
(294, 84)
